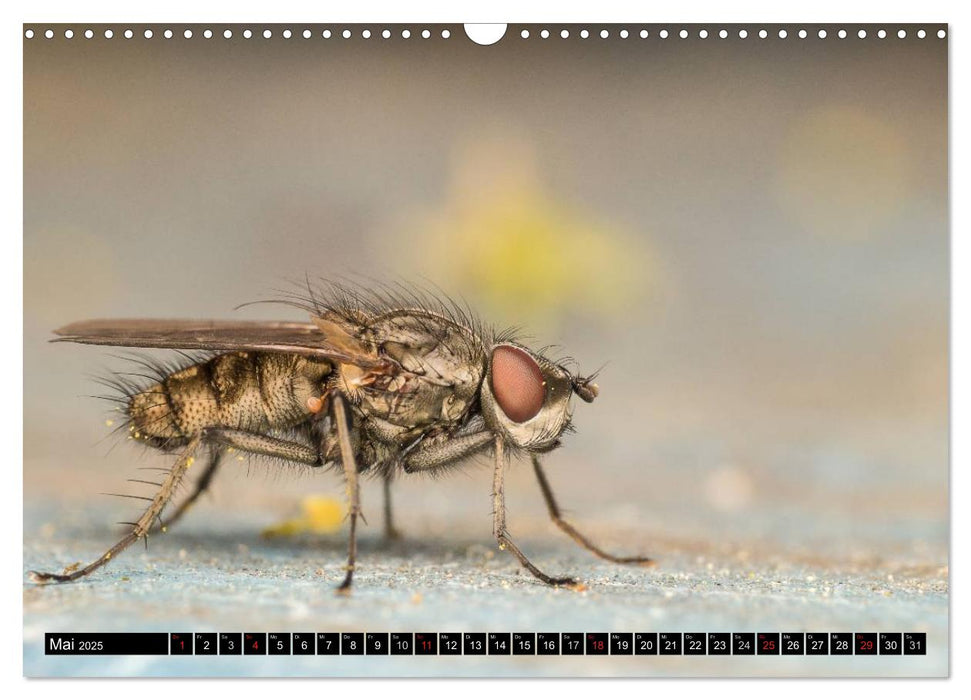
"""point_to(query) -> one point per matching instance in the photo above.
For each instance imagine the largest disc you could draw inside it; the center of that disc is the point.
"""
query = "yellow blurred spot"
(319, 515)
(109, 422)
(843, 172)
(523, 252)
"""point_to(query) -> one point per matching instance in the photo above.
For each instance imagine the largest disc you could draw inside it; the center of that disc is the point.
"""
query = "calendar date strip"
(487, 643)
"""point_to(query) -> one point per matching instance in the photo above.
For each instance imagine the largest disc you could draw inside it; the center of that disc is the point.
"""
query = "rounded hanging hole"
(485, 34)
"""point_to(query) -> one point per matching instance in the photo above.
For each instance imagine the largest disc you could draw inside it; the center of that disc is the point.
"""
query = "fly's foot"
(345, 588)
(39, 577)
(48, 578)
(563, 582)
(69, 574)
(633, 561)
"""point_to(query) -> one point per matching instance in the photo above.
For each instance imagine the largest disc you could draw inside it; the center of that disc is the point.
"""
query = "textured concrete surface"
(215, 573)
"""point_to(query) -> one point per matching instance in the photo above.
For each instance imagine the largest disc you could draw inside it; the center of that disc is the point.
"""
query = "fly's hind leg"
(221, 439)
(557, 518)
(201, 486)
(141, 527)
(218, 439)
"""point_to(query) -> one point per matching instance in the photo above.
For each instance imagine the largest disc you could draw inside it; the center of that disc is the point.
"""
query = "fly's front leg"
(353, 488)
(428, 457)
(572, 531)
(435, 456)
(141, 527)
(499, 523)
(215, 457)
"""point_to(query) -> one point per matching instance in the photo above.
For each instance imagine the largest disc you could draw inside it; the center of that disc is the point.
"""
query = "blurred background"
(751, 235)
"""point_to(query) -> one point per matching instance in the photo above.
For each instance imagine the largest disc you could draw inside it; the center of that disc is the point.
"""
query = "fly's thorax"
(437, 369)
(526, 398)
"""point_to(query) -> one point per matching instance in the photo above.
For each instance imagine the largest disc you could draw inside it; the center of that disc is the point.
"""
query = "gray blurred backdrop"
(752, 235)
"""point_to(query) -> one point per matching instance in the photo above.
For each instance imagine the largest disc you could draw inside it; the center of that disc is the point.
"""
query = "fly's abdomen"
(252, 391)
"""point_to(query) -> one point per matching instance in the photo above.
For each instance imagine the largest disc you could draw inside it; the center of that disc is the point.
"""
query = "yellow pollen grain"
(319, 514)
(164, 529)
(240, 458)
(109, 422)
(107, 556)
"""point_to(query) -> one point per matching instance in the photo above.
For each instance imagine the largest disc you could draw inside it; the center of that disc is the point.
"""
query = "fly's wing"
(222, 336)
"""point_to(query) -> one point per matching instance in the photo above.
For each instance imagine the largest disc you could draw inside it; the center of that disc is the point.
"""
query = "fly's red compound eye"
(517, 383)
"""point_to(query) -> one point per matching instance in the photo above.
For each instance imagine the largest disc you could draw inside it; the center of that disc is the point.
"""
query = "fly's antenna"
(585, 389)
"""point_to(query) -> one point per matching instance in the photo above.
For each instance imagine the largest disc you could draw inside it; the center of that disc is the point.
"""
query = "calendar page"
(534, 350)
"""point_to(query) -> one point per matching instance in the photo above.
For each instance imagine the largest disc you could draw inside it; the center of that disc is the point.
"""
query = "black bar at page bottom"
(491, 644)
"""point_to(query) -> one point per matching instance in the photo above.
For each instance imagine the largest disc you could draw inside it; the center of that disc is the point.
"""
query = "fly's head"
(526, 398)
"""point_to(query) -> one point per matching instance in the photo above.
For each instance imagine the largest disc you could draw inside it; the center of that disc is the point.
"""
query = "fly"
(377, 383)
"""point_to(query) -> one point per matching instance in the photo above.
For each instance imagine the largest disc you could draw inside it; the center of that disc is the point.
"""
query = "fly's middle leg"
(390, 531)
(141, 527)
(353, 488)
